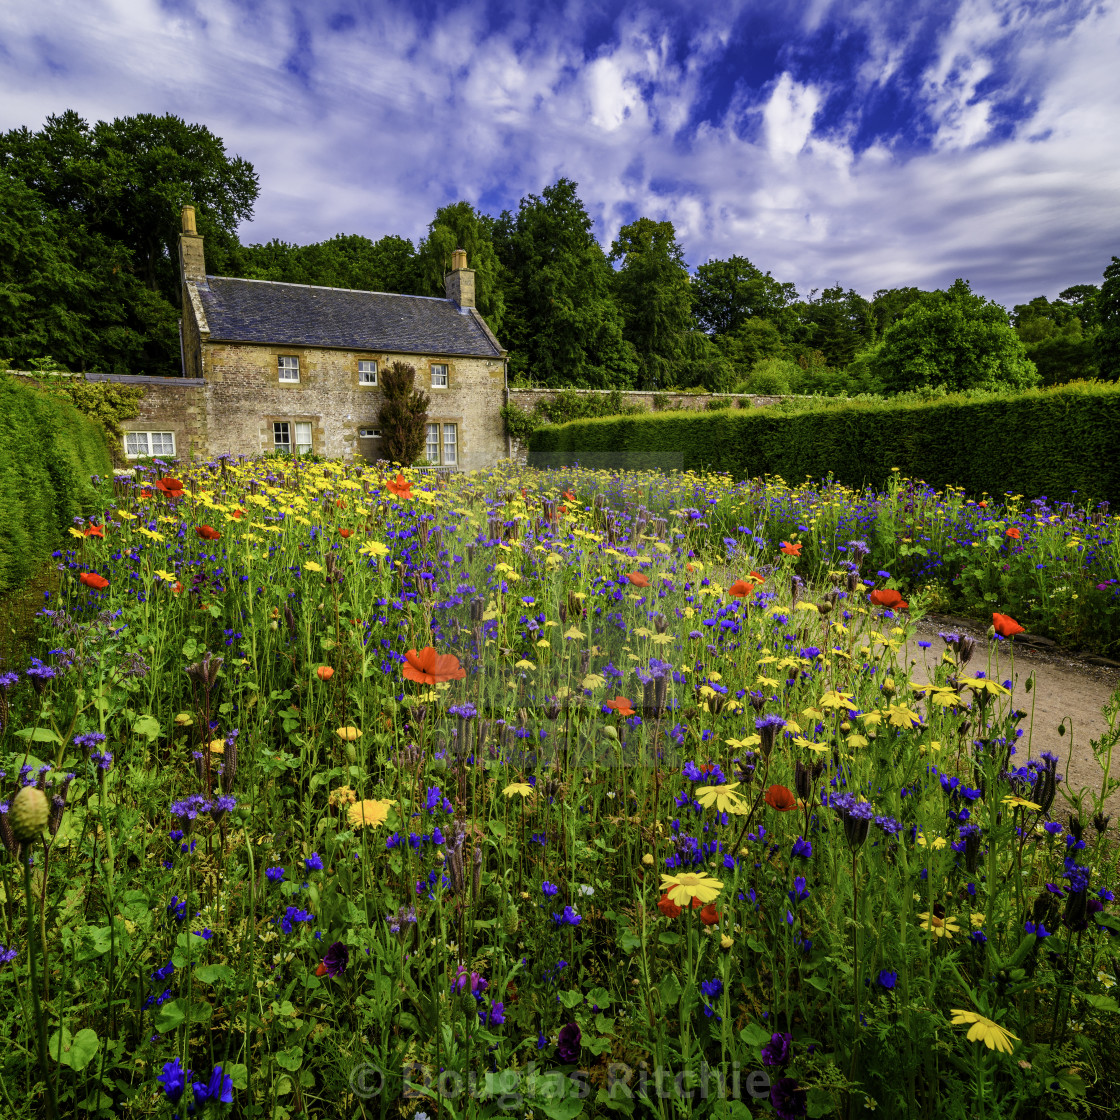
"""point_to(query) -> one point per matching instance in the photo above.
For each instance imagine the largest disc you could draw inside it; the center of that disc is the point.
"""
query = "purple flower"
(173, 1079)
(495, 1017)
(336, 959)
(802, 848)
(776, 1051)
(292, 915)
(787, 1100)
(275, 874)
(550, 889)
(569, 1044)
(313, 862)
(887, 979)
(218, 1089)
(7, 955)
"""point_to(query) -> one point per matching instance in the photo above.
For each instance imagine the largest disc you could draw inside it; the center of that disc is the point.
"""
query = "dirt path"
(1066, 688)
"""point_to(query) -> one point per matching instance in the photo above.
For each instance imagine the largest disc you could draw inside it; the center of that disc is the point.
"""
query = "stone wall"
(169, 404)
(527, 400)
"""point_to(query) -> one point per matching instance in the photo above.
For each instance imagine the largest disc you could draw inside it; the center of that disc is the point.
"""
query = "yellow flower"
(344, 795)
(518, 788)
(369, 813)
(984, 1030)
(647, 859)
(348, 734)
(1017, 802)
(687, 885)
(940, 927)
(311, 566)
(726, 942)
(724, 797)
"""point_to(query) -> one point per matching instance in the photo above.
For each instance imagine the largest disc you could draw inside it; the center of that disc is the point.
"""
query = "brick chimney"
(458, 284)
(192, 262)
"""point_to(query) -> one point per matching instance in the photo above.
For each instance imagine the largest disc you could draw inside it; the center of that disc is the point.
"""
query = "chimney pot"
(458, 260)
(188, 220)
(458, 284)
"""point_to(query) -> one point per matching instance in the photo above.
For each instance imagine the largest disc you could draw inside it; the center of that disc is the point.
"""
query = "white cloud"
(393, 117)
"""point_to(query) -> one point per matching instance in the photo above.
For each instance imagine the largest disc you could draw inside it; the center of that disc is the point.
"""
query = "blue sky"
(867, 143)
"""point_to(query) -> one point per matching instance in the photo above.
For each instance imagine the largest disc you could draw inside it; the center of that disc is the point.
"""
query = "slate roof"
(279, 314)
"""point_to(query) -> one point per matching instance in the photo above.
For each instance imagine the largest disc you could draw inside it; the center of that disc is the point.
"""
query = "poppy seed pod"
(856, 829)
(1100, 821)
(29, 812)
(972, 852)
(1075, 912)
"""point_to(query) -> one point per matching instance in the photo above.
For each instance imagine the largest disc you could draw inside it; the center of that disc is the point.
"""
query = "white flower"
(586, 890)
(1105, 979)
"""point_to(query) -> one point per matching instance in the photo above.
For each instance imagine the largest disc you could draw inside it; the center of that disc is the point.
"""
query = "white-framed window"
(283, 431)
(441, 448)
(288, 367)
(369, 433)
(367, 373)
(450, 445)
(431, 445)
(137, 444)
(439, 375)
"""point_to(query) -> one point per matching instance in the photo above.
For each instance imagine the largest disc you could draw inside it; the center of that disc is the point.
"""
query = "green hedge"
(1045, 441)
(48, 451)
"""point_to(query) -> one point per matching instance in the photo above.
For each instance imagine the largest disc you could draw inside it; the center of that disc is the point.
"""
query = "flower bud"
(29, 812)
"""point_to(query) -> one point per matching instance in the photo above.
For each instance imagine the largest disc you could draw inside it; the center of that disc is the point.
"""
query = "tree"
(652, 290)
(404, 414)
(957, 340)
(563, 324)
(839, 324)
(1107, 342)
(1054, 339)
(1083, 299)
(725, 293)
(344, 261)
(890, 304)
(460, 226)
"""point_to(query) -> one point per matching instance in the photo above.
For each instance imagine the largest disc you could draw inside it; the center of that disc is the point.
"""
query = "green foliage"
(403, 415)
(1107, 348)
(956, 339)
(104, 402)
(772, 377)
(563, 325)
(838, 324)
(726, 293)
(565, 406)
(890, 304)
(48, 453)
(460, 226)
(1046, 441)
(344, 261)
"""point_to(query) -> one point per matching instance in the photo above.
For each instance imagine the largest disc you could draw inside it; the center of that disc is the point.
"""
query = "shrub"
(48, 453)
(773, 377)
(403, 415)
(1043, 441)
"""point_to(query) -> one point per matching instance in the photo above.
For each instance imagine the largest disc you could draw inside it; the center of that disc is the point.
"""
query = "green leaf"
(290, 1059)
(96, 941)
(38, 735)
(754, 1035)
(75, 1051)
(1101, 1003)
(667, 938)
(599, 996)
(171, 1014)
(148, 726)
(629, 941)
(209, 973)
(571, 998)
(820, 1102)
(670, 989)
(565, 1109)
(239, 1075)
(498, 828)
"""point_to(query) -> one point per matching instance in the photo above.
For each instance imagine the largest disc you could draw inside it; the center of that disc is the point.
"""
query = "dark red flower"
(889, 598)
(569, 1043)
(335, 962)
(780, 798)
(668, 907)
(172, 487)
(344, 533)
(207, 533)
(92, 579)
(710, 915)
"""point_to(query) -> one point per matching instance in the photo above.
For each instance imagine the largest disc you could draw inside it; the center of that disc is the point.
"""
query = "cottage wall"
(169, 404)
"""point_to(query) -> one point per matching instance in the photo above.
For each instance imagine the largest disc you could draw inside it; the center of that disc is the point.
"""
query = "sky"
(867, 143)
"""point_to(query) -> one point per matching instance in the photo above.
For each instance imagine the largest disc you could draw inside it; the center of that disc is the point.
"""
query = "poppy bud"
(856, 829)
(324, 672)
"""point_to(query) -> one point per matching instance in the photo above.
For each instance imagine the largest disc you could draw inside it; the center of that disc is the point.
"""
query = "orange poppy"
(339, 504)
(344, 533)
(172, 487)
(176, 587)
(236, 515)
(1013, 533)
(637, 579)
(741, 588)
(780, 798)
(145, 493)
(710, 915)
(668, 907)
(791, 549)
(400, 486)
(96, 531)
(890, 599)
(207, 533)
(621, 705)
(429, 667)
(324, 672)
(1006, 626)
(570, 495)
(982, 505)
(92, 579)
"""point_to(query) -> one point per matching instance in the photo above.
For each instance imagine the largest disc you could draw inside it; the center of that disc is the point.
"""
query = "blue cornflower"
(218, 1089)
(275, 874)
(550, 889)
(173, 1079)
(802, 848)
(313, 862)
(887, 978)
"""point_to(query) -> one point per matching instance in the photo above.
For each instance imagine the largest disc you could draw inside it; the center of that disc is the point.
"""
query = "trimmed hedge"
(1055, 442)
(48, 451)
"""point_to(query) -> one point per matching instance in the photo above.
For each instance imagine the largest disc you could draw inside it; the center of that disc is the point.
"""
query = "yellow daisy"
(723, 797)
(518, 788)
(348, 734)
(939, 927)
(368, 813)
(984, 1030)
(687, 885)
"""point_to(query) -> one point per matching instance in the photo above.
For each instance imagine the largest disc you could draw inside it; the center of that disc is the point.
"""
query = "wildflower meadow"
(339, 791)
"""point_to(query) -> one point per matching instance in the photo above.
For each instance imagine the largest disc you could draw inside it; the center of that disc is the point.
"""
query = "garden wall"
(527, 400)
(48, 452)
(1058, 442)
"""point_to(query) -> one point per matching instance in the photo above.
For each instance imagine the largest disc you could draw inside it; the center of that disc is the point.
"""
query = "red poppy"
(344, 533)
(1013, 533)
(791, 549)
(96, 531)
(1006, 626)
(400, 486)
(780, 798)
(741, 588)
(339, 504)
(710, 915)
(145, 493)
(668, 907)
(889, 598)
(172, 487)
(982, 505)
(622, 706)
(570, 495)
(563, 509)
(92, 579)
(236, 515)
(429, 667)
(176, 587)
(207, 533)
(324, 672)
(637, 579)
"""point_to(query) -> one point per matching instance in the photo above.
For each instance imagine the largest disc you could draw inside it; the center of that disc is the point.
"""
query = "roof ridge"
(326, 288)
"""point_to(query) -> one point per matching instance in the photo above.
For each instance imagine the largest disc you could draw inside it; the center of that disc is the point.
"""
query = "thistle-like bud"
(476, 876)
(856, 829)
(802, 781)
(29, 812)
(1076, 827)
(1045, 908)
(972, 852)
(649, 696)
(290, 619)
(853, 582)
(661, 694)
(6, 834)
(229, 768)
(824, 607)
(661, 624)
(965, 649)
(563, 613)
(1100, 821)
(1076, 910)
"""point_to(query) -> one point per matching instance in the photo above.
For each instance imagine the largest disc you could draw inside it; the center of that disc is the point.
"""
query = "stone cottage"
(289, 367)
